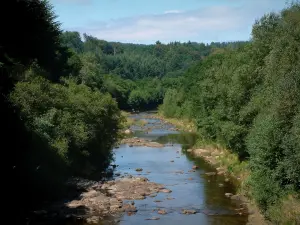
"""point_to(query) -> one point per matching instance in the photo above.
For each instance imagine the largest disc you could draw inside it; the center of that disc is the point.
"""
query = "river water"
(190, 190)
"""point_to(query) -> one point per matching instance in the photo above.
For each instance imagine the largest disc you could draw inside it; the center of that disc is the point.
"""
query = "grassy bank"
(225, 162)
(182, 124)
(223, 159)
(127, 122)
(286, 211)
(214, 153)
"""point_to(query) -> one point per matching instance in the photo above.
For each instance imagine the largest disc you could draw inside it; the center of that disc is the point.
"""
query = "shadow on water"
(60, 214)
(186, 140)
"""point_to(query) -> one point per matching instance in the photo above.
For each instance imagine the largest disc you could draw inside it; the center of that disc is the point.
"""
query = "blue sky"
(146, 21)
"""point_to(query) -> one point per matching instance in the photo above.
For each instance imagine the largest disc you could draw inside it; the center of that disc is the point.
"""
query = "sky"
(146, 21)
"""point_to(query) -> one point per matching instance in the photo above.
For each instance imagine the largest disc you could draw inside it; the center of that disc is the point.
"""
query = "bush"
(79, 124)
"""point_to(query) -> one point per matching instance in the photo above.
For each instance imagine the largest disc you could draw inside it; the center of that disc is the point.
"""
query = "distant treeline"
(136, 75)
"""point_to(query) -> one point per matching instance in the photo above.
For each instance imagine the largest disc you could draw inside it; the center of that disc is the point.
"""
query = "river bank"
(153, 177)
(225, 163)
(98, 201)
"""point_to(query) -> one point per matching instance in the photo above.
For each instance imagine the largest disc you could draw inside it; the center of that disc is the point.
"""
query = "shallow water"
(190, 190)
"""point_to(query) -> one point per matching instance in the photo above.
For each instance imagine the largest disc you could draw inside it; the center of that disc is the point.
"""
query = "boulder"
(188, 212)
(221, 172)
(92, 220)
(162, 212)
(228, 195)
(129, 208)
(165, 190)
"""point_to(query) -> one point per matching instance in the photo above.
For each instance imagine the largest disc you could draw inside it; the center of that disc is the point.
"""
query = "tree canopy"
(247, 99)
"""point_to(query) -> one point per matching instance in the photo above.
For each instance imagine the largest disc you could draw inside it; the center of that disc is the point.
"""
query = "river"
(190, 190)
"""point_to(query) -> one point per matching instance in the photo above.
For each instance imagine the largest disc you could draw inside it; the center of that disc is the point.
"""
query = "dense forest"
(61, 96)
(137, 76)
(247, 99)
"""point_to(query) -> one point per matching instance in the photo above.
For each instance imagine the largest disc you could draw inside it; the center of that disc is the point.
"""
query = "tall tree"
(31, 35)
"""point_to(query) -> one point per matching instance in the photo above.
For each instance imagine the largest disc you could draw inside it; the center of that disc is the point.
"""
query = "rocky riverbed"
(155, 181)
(112, 197)
(100, 200)
(141, 142)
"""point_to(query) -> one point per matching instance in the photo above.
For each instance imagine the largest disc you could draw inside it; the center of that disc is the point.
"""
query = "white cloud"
(172, 11)
(217, 23)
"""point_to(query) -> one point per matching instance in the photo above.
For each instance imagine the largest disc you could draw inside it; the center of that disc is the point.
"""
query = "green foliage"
(247, 99)
(73, 41)
(29, 160)
(51, 128)
(103, 65)
(244, 96)
(90, 73)
(119, 89)
(147, 95)
(289, 206)
(171, 104)
(80, 125)
(43, 43)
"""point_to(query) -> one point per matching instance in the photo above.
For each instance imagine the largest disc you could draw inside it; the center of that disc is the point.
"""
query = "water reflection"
(186, 140)
(190, 190)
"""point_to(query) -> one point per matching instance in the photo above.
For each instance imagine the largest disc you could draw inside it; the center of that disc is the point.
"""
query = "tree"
(245, 97)
(41, 45)
(72, 39)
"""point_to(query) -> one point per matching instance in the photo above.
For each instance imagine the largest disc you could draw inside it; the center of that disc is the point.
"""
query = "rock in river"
(162, 212)
(188, 212)
(228, 195)
(165, 190)
(109, 199)
(92, 220)
(129, 208)
(141, 142)
(128, 131)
